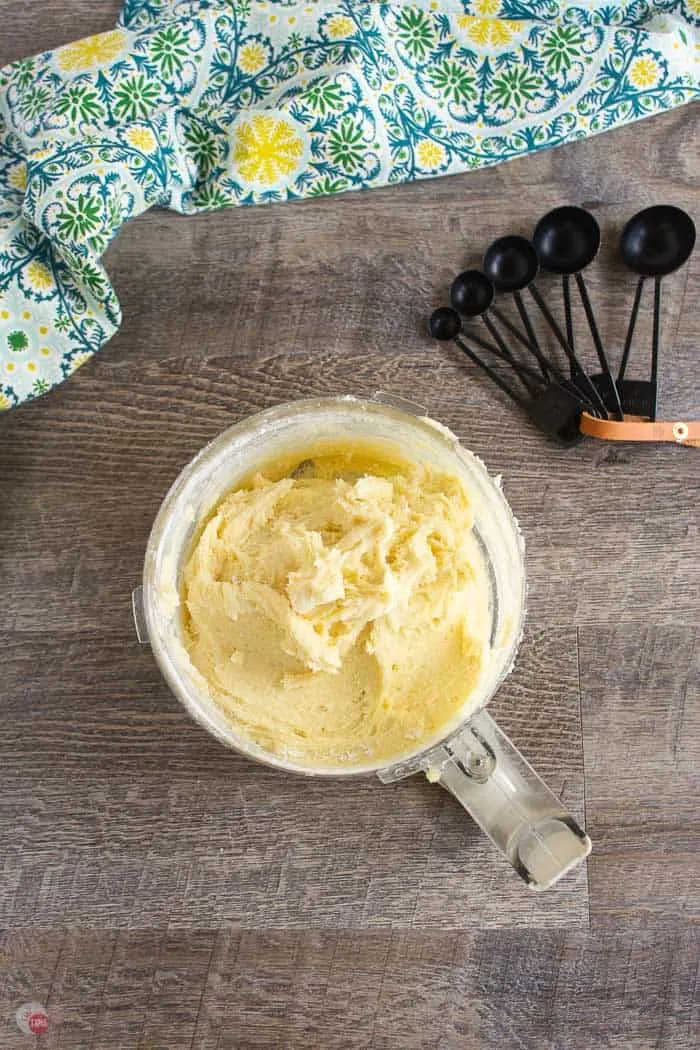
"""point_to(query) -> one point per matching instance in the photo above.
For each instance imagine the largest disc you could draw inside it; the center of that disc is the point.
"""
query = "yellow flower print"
(252, 57)
(17, 176)
(39, 276)
(5, 403)
(93, 51)
(78, 360)
(267, 150)
(142, 139)
(645, 72)
(487, 7)
(430, 154)
(488, 32)
(340, 26)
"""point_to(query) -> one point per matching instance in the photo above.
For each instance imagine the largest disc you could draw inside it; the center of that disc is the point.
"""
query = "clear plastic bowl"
(469, 755)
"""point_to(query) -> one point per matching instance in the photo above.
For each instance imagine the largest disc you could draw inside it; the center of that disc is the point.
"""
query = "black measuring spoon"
(472, 295)
(567, 240)
(555, 410)
(512, 265)
(508, 264)
(654, 243)
(445, 324)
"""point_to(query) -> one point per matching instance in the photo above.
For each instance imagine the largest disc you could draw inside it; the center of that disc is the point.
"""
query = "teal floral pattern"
(169, 50)
(202, 104)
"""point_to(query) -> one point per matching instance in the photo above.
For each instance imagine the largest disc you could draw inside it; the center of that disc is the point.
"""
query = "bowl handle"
(509, 802)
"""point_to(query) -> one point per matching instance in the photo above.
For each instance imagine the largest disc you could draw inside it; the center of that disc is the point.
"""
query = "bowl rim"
(197, 708)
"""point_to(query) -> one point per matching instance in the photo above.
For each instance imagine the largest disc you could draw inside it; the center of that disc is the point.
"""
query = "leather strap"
(637, 428)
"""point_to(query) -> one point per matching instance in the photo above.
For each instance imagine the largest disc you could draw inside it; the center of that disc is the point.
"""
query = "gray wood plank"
(352, 990)
(31, 26)
(255, 306)
(210, 904)
(118, 810)
(641, 724)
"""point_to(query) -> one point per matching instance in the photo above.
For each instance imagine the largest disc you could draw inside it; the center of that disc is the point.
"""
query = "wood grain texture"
(31, 26)
(353, 990)
(135, 815)
(161, 892)
(640, 700)
(236, 311)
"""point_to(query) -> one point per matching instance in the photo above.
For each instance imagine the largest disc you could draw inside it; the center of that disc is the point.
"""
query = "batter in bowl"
(337, 606)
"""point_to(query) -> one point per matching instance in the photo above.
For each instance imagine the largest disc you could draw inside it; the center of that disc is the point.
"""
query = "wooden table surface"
(159, 891)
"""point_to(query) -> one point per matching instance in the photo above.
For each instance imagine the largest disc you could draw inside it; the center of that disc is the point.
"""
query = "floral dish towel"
(201, 105)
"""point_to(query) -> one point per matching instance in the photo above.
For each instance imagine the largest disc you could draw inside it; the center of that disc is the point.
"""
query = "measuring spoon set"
(568, 402)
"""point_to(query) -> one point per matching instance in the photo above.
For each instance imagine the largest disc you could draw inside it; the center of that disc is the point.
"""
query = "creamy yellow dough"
(339, 614)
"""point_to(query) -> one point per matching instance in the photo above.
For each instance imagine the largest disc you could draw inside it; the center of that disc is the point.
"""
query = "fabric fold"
(202, 105)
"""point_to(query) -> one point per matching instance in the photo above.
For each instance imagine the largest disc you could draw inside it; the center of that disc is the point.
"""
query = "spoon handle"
(505, 354)
(507, 357)
(557, 380)
(557, 377)
(630, 330)
(547, 314)
(655, 344)
(574, 361)
(548, 368)
(595, 334)
(490, 372)
(513, 329)
(566, 292)
(533, 347)
(527, 325)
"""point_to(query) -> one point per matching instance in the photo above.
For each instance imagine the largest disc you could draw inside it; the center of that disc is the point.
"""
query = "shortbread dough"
(339, 615)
